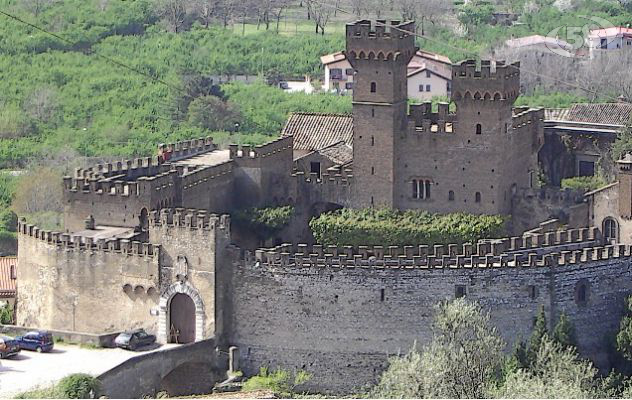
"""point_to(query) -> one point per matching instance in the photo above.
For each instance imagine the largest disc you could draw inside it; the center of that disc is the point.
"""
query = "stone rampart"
(177, 151)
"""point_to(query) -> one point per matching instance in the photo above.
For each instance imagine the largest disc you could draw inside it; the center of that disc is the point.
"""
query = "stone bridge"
(184, 370)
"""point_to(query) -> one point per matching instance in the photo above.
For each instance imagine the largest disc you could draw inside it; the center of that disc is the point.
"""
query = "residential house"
(8, 279)
(431, 70)
(615, 38)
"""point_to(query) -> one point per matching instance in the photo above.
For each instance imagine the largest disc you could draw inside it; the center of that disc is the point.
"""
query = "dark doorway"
(181, 319)
(586, 168)
(144, 220)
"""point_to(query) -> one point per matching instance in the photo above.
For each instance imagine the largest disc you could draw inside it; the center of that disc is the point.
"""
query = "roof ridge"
(321, 113)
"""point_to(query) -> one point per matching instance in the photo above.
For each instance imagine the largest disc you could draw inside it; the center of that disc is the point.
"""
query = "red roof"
(608, 32)
(8, 274)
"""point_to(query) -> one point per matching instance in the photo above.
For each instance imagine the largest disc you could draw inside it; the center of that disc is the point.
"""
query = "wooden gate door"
(182, 319)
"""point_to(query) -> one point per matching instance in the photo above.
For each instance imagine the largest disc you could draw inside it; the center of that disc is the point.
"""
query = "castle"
(149, 243)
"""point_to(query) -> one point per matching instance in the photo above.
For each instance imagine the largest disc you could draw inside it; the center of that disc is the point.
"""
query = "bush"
(6, 314)
(77, 386)
(265, 222)
(279, 381)
(584, 182)
(386, 227)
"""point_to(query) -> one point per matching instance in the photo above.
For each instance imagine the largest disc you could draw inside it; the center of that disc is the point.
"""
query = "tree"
(474, 15)
(555, 372)
(207, 10)
(564, 332)
(624, 336)
(465, 354)
(39, 190)
(623, 143)
(210, 112)
(320, 12)
(173, 12)
(42, 104)
(36, 7)
(537, 335)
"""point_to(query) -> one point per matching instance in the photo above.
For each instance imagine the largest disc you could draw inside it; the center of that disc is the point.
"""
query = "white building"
(615, 38)
(428, 71)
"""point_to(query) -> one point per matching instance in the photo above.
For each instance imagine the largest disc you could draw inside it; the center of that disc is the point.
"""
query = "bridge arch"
(164, 312)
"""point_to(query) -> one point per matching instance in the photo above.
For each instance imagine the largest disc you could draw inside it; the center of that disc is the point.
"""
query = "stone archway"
(164, 317)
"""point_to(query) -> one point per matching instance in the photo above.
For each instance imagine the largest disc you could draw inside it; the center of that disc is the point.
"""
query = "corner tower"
(379, 53)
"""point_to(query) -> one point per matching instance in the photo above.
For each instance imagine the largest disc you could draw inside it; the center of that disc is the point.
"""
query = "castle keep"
(149, 243)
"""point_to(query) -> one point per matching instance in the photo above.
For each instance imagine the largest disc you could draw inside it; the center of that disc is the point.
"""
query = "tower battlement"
(488, 81)
(380, 40)
(192, 219)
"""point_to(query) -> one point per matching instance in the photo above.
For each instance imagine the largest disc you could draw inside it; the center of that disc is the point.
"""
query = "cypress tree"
(539, 332)
(564, 332)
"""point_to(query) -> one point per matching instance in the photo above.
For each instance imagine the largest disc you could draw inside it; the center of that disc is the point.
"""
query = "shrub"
(265, 222)
(279, 381)
(77, 386)
(6, 314)
(386, 227)
(584, 182)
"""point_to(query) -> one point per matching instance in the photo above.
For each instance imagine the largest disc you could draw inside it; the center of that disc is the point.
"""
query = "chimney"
(90, 225)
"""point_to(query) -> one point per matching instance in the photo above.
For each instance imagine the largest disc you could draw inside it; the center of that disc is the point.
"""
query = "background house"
(8, 279)
(431, 70)
(614, 38)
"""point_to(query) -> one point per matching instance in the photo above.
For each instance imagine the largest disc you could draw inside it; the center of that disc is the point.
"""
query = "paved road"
(29, 369)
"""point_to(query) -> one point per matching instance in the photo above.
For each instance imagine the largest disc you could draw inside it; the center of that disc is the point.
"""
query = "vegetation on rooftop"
(387, 227)
(587, 183)
(264, 222)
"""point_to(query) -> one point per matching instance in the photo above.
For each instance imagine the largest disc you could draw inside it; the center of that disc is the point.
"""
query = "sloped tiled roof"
(340, 153)
(313, 131)
(598, 113)
(537, 40)
(612, 31)
(7, 283)
(417, 71)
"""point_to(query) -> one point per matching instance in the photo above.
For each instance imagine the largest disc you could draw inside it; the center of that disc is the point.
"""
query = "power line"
(464, 51)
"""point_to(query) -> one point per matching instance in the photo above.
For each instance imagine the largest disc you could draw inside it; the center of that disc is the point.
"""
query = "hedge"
(265, 222)
(386, 227)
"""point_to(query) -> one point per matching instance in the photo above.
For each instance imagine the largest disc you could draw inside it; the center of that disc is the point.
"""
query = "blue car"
(40, 341)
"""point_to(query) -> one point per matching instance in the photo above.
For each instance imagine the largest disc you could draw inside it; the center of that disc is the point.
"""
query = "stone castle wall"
(340, 320)
(64, 282)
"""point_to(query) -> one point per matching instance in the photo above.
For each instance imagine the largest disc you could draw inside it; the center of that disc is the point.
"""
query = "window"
(610, 230)
(533, 292)
(373, 87)
(479, 129)
(349, 71)
(335, 73)
(586, 168)
(581, 292)
(349, 85)
(421, 188)
(427, 74)
(451, 195)
(427, 88)
(604, 43)
(372, 170)
(448, 86)
(13, 275)
(459, 291)
(372, 140)
(477, 197)
(421, 88)
(314, 168)
(381, 294)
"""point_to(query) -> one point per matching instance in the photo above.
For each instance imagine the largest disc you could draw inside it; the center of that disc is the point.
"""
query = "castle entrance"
(181, 319)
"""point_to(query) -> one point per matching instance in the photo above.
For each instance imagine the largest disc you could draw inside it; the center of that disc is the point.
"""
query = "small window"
(451, 195)
(349, 71)
(382, 295)
(610, 230)
(421, 188)
(372, 170)
(372, 140)
(479, 129)
(586, 168)
(427, 74)
(13, 274)
(373, 87)
(581, 293)
(533, 292)
(373, 112)
(421, 88)
(448, 86)
(335, 73)
(314, 168)
(427, 88)
(459, 291)
(349, 85)
(477, 197)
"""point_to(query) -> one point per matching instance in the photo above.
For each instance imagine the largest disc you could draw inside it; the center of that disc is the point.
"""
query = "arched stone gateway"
(166, 304)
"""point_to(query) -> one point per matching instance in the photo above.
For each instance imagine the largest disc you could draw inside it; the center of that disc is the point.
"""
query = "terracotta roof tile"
(313, 131)
(7, 281)
(598, 113)
(340, 153)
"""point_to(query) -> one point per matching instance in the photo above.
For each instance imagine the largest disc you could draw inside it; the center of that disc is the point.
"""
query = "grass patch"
(74, 386)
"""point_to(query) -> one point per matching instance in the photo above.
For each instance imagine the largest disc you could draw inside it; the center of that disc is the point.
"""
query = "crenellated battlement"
(200, 175)
(125, 169)
(490, 82)
(200, 220)
(324, 178)
(525, 118)
(269, 149)
(187, 148)
(561, 247)
(70, 242)
(380, 40)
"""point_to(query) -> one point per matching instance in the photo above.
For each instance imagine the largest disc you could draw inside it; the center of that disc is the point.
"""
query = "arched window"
(479, 129)
(373, 87)
(477, 197)
(451, 195)
(421, 188)
(582, 292)
(610, 230)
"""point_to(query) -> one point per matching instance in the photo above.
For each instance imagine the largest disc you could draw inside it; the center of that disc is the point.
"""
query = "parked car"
(36, 340)
(8, 347)
(132, 340)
